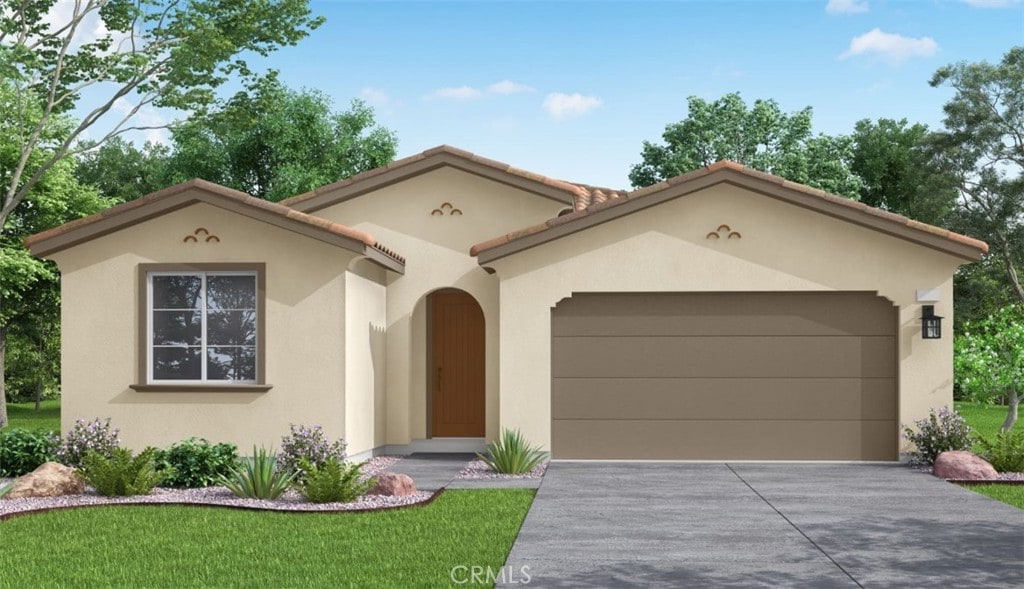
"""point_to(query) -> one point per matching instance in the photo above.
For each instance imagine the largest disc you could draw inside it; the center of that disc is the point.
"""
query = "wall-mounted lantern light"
(931, 324)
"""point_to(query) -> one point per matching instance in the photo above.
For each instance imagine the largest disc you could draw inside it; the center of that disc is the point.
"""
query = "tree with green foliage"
(274, 142)
(982, 145)
(899, 172)
(989, 360)
(122, 171)
(161, 53)
(762, 137)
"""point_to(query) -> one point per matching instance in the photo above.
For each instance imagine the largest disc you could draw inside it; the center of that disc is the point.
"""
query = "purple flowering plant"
(94, 435)
(943, 430)
(311, 443)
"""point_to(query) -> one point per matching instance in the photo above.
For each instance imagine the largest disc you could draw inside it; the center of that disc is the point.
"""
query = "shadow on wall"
(131, 397)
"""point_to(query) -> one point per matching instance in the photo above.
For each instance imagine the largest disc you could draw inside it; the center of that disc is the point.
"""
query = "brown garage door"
(739, 376)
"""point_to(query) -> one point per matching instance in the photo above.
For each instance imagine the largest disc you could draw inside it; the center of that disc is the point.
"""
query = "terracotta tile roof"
(130, 210)
(573, 191)
(590, 200)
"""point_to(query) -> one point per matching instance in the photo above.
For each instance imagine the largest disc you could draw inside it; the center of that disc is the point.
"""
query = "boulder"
(393, 484)
(49, 480)
(962, 465)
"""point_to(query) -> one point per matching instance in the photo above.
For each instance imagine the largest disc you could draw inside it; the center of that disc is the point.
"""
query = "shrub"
(94, 435)
(23, 450)
(258, 477)
(334, 482)
(941, 431)
(1005, 452)
(311, 443)
(195, 462)
(120, 474)
(511, 454)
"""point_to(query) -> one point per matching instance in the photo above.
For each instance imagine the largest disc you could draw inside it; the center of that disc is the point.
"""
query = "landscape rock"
(962, 465)
(49, 480)
(393, 485)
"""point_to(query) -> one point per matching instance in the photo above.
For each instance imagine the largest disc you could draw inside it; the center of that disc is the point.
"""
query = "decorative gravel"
(1003, 476)
(221, 496)
(478, 469)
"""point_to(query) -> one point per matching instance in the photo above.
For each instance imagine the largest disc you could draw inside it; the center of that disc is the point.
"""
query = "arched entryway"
(455, 367)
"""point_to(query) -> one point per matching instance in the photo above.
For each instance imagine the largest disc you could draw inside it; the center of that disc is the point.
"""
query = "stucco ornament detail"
(723, 231)
(201, 233)
(446, 208)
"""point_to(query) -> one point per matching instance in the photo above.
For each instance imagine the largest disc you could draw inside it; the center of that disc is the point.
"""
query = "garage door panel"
(776, 314)
(713, 356)
(724, 440)
(724, 398)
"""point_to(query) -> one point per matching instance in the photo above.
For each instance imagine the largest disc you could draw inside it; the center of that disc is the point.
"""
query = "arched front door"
(457, 365)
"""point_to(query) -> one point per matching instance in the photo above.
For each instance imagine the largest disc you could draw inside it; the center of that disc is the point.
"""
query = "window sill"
(201, 388)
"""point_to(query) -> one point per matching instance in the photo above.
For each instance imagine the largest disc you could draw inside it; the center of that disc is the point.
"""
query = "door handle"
(439, 379)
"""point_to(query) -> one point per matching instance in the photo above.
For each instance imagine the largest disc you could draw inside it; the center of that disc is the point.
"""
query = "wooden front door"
(457, 365)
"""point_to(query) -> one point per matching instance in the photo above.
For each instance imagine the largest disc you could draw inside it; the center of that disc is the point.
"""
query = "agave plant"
(5, 489)
(258, 477)
(511, 453)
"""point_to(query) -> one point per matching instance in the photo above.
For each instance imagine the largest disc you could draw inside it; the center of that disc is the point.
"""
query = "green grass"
(1009, 494)
(24, 415)
(211, 547)
(984, 419)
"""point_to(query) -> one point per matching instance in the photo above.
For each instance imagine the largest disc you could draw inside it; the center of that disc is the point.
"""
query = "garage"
(724, 376)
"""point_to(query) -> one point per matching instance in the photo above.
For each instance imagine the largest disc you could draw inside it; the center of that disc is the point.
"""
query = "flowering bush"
(311, 443)
(93, 435)
(939, 432)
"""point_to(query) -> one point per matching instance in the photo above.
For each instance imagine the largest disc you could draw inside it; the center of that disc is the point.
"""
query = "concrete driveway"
(612, 524)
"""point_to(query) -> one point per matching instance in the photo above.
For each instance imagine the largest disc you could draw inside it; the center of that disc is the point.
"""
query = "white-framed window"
(202, 327)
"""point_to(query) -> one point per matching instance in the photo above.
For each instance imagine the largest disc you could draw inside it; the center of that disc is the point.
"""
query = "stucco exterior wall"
(304, 323)
(783, 248)
(436, 248)
(365, 359)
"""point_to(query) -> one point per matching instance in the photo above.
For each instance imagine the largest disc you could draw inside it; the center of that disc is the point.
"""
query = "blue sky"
(572, 89)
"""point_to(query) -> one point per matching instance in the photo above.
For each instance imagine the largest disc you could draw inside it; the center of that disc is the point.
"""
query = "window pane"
(177, 363)
(181, 328)
(231, 328)
(224, 363)
(231, 292)
(176, 292)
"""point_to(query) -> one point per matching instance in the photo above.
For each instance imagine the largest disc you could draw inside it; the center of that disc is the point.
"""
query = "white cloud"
(456, 93)
(90, 28)
(506, 87)
(563, 106)
(992, 3)
(846, 6)
(375, 96)
(146, 116)
(892, 48)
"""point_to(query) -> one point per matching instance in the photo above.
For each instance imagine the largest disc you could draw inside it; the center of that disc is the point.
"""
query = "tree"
(899, 172)
(273, 142)
(30, 289)
(989, 359)
(983, 146)
(122, 171)
(164, 53)
(762, 137)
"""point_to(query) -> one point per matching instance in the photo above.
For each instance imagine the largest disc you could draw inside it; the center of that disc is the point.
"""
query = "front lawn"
(984, 419)
(1010, 494)
(211, 547)
(24, 415)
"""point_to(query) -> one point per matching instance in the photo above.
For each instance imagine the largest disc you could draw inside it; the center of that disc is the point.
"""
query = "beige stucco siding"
(304, 323)
(365, 360)
(665, 249)
(436, 248)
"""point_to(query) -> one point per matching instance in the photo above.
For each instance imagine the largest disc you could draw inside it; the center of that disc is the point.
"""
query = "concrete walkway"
(431, 471)
(764, 525)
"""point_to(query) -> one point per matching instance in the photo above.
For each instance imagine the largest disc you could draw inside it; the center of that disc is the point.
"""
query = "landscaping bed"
(478, 469)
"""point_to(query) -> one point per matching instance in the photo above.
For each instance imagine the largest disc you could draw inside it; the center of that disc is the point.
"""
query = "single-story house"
(423, 306)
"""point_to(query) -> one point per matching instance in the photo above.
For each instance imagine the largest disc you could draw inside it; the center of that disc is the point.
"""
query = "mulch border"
(424, 503)
(971, 482)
